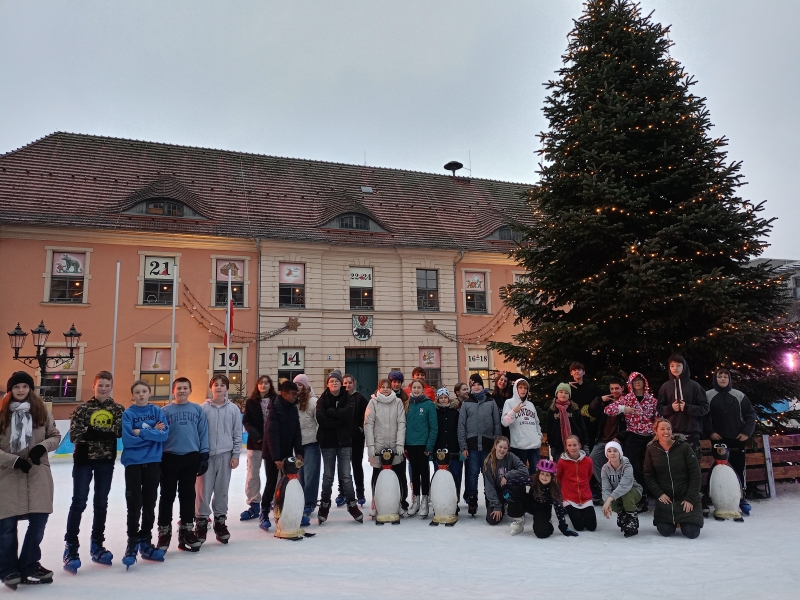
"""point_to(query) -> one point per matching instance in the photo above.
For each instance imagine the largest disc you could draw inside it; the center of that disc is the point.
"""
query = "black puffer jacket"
(447, 436)
(689, 421)
(360, 403)
(731, 413)
(253, 422)
(675, 473)
(282, 437)
(335, 419)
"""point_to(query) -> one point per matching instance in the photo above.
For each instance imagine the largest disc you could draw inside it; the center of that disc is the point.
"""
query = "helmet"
(395, 375)
(387, 456)
(548, 466)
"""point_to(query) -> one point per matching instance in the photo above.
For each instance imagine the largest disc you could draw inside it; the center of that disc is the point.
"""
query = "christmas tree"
(642, 242)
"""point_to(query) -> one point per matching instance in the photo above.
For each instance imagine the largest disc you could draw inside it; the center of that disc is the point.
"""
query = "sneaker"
(251, 513)
(340, 500)
(414, 508)
(517, 525)
(263, 521)
(72, 561)
(221, 529)
(745, 507)
(12, 580)
(352, 508)
(164, 537)
(129, 559)
(324, 509)
(99, 553)
(187, 538)
(150, 552)
(423, 507)
(40, 575)
(201, 529)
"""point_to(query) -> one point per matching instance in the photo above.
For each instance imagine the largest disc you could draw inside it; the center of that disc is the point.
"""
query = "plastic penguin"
(387, 491)
(725, 488)
(444, 497)
(289, 503)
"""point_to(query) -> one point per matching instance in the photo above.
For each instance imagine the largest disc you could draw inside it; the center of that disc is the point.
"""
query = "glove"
(36, 453)
(201, 470)
(22, 465)
(567, 531)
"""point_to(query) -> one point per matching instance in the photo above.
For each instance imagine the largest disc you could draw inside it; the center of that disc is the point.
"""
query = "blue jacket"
(188, 428)
(145, 447)
(422, 426)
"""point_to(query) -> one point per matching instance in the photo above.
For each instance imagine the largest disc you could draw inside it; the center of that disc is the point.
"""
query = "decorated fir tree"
(642, 243)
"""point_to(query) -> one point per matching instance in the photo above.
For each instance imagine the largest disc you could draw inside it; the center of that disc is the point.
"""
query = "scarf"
(21, 425)
(566, 430)
(479, 396)
(265, 406)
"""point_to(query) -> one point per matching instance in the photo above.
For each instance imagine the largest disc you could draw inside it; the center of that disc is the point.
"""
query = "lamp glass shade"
(17, 338)
(40, 335)
(72, 337)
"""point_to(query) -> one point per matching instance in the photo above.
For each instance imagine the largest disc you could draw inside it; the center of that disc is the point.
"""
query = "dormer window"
(164, 207)
(354, 222)
(509, 235)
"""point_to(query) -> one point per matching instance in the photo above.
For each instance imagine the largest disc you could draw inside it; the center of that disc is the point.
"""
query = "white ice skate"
(423, 507)
(414, 508)
(518, 525)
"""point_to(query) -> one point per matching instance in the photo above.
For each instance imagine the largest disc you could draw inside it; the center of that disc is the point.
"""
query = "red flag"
(229, 318)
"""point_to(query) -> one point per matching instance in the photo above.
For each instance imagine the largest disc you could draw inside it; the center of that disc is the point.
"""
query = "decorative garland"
(484, 333)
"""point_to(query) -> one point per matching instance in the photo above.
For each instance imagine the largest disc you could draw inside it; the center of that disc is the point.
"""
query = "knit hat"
(336, 374)
(442, 392)
(614, 444)
(566, 387)
(19, 377)
(395, 375)
(476, 378)
(302, 378)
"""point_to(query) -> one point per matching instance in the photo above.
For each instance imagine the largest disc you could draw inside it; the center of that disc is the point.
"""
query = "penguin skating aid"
(290, 503)
(387, 491)
(724, 486)
(443, 495)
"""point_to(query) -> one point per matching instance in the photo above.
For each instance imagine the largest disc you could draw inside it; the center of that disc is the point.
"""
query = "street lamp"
(17, 340)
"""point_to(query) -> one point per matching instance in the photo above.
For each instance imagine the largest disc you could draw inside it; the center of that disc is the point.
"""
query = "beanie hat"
(302, 378)
(19, 377)
(476, 378)
(566, 387)
(337, 374)
(614, 444)
(442, 392)
(395, 375)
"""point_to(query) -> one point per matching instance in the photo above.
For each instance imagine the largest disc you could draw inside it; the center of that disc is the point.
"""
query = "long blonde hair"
(492, 458)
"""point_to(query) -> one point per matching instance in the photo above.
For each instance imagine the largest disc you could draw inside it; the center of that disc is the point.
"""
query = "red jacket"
(573, 476)
(427, 390)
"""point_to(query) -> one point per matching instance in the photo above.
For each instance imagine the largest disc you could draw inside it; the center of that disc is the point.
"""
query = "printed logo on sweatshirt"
(102, 419)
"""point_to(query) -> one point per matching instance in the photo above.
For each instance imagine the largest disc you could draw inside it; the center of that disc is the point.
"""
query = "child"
(144, 431)
(309, 472)
(94, 428)
(498, 468)
(575, 469)
(421, 430)
(385, 427)
(27, 434)
(397, 378)
(621, 491)
(185, 457)
(224, 444)
(563, 419)
(447, 435)
(519, 415)
(255, 416)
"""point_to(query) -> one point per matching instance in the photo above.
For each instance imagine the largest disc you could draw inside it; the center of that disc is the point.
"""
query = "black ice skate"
(221, 530)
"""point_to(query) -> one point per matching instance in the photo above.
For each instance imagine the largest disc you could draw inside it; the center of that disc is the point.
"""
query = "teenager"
(447, 433)
(335, 436)
(621, 491)
(183, 460)
(498, 468)
(309, 472)
(27, 434)
(573, 473)
(224, 445)
(478, 427)
(396, 378)
(255, 415)
(582, 392)
(144, 431)
(503, 390)
(683, 402)
(357, 449)
(520, 417)
(385, 427)
(563, 420)
(608, 426)
(421, 430)
(422, 375)
(94, 428)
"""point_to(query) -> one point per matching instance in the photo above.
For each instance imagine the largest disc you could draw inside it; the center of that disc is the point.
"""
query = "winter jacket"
(689, 421)
(447, 435)
(224, 428)
(607, 425)
(509, 466)
(577, 426)
(147, 446)
(335, 419)
(582, 395)
(359, 410)
(618, 482)
(500, 397)
(308, 421)
(385, 427)
(282, 437)
(421, 423)
(94, 428)
(524, 427)
(542, 503)
(730, 413)
(645, 409)
(254, 420)
(426, 389)
(188, 428)
(675, 473)
(573, 476)
(478, 423)
(21, 494)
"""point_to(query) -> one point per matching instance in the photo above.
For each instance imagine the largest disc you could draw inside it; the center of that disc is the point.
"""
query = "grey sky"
(412, 84)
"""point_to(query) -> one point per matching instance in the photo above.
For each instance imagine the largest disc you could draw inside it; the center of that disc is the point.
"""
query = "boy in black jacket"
(683, 402)
(357, 447)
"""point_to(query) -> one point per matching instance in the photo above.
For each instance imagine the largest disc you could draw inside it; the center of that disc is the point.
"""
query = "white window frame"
(488, 289)
(143, 254)
(137, 372)
(213, 348)
(48, 274)
(80, 370)
(213, 281)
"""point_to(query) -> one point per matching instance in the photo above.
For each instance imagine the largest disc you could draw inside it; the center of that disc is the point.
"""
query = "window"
(158, 280)
(67, 277)
(361, 288)
(354, 222)
(508, 234)
(60, 383)
(291, 362)
(165, 207)
(475, 288)
(154, 368)
(291, 285)
(236, 391)
(234, 268)
(478, 362)
(430, 359)
(427, 289)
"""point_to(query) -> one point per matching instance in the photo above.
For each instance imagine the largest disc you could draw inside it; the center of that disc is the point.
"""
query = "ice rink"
(755, 559)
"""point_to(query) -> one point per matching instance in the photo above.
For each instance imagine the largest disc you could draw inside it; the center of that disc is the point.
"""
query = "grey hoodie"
(618, 482)
(224, 428)
(509, 466)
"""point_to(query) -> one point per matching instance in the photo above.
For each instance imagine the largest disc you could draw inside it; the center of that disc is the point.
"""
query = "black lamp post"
(17, 339)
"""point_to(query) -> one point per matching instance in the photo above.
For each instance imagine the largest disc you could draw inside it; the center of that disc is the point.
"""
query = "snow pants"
(212, 488)
(627, 503)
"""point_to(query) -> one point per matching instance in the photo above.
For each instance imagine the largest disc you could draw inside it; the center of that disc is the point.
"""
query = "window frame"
(214, 349)
(79, 372)
(355, 217)
(143, 256)
(213, 281)
(137, 372)
(48, 274)
(487, 292)
(288, 286)
(361, 291)
(166, 203)
(424, 291)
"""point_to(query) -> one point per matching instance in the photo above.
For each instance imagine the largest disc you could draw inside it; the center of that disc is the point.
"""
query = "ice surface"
(755, 559)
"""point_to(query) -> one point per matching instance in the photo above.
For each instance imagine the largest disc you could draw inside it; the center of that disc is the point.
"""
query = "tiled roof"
(89, 181)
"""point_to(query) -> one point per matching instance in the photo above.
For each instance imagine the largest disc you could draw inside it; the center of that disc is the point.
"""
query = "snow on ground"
(757, 558)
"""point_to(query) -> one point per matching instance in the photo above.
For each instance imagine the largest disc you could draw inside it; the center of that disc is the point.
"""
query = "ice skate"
(164, 537)
(324, 509)
(100, 554)
(423, 507)
(361, 500)
(39, 576)
(631, 525)
(250, 513)
(373, 512)
(263, 520)
(201, 529)
(517, 525)
(221, 529)
(414, 508)
(352, 508)
(129, 559)
(340, 501)
(12, 581)
(150, 552)
(72, 561)
(187, 539)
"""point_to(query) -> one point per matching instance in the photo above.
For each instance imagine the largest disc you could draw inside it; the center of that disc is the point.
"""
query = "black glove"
(22, 465)
(201, 470)
(567, 531)
(36, 453)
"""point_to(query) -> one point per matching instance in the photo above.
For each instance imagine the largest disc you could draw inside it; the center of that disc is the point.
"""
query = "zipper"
(672, 504)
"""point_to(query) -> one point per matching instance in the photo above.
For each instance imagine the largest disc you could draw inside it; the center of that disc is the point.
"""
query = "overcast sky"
(406, 84)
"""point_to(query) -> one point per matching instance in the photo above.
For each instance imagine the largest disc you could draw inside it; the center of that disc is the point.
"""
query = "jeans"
(103, 472)
(273, 476)
(178, 476)
(309, 473)
(635, 446)
(28, 560)
(141, 493)
(474, 466)
(357, 464)
(333, 459)
(598, 457)
(531, 457)
(456, 468)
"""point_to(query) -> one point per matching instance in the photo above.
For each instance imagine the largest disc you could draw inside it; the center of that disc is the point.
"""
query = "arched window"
(164, 207)
(509, 235)
(354, 222)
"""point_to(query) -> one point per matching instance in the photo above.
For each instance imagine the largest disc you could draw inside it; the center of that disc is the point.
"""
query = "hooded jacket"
(730, 412)
(641, 420)
(335, 419)
(618, 482)
(148, 445)
(524, 427)
(385, 427)
(689, 421)
(478, 422)
(573, 476)
(94, 428)
(676, 473)
(422, 425)
(509, 467)
(282, 436)
(224, 428)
